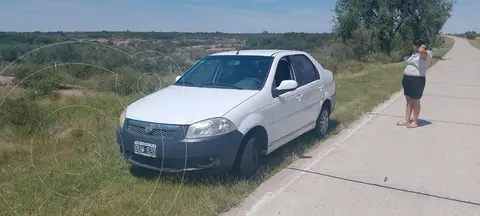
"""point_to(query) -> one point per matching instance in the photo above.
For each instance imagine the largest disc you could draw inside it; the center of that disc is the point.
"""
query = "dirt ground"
(6, 80)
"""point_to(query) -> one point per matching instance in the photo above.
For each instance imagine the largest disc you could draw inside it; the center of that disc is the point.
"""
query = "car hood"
(186, 105)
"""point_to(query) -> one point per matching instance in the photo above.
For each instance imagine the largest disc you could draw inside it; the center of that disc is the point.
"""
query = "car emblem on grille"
(148, 128)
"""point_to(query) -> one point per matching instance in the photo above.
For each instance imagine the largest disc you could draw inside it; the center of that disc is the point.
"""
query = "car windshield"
(228, 72)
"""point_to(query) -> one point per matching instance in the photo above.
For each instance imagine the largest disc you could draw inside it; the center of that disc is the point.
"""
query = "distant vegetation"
(471, 35)
(90, 59)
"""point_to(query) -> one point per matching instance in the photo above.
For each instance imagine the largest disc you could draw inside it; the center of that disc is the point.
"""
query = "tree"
(391, 20)
(472, 35)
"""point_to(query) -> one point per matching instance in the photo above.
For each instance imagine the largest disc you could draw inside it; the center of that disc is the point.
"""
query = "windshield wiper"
(226, 85)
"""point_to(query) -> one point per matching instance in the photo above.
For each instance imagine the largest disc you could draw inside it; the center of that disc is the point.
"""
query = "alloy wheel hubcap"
(324, 122)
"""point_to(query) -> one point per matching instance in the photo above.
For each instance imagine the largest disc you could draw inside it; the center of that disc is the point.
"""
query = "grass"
(439, 53)
(475, 43)
(71, 165)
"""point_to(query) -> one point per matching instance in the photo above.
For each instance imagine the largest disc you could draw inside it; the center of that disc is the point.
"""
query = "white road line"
(474, 62)
(269, 196)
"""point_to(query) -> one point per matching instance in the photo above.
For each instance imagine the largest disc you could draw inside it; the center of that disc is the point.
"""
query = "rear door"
(310, 88)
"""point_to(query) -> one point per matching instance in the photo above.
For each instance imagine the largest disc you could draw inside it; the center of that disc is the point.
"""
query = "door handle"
(299, 97)
(320, 88)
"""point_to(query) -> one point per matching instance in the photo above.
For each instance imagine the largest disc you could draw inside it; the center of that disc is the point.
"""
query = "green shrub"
(439, 41)
(124, 83)
(21, 113)
(149, 83)
(471, 37)
(38, 83)
(332, 56)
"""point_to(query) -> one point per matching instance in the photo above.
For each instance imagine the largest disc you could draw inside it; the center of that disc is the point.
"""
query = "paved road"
(378, 168)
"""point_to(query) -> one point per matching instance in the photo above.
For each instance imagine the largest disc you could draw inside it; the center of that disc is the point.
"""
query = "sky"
(231, 16)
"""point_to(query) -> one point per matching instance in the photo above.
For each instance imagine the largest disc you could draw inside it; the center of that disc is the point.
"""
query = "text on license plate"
(145, 149)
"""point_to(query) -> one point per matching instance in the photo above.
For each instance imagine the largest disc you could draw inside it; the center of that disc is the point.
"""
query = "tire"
(322, 123)
(249, 160)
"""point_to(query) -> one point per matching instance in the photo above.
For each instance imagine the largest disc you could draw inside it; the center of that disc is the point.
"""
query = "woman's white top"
(416, 65)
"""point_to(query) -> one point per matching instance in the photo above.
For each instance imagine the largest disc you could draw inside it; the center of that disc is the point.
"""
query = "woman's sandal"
(402, 123)
(412, 125)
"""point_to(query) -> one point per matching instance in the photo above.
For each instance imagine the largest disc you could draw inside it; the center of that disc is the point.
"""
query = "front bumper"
(174, 153)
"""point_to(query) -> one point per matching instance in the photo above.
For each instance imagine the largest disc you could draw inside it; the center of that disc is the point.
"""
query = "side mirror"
(177, 78)
(287, 85)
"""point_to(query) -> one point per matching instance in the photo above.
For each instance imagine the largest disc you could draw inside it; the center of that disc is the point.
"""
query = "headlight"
(122, 118)
(210, 127)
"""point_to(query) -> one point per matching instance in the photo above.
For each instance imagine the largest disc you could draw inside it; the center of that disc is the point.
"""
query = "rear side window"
(304, 69)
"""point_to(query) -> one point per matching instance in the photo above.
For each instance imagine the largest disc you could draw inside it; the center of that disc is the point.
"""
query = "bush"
(21, 113)
(439, 41)
(149, 83)
(124, 83)
(471, 35)
(38, 83)
(332, 56)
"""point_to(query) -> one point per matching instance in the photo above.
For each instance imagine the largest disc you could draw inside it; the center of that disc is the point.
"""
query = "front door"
(285, 106)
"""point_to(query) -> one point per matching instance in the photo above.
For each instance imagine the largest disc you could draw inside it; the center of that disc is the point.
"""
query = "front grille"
(174, 163)
(139, 128)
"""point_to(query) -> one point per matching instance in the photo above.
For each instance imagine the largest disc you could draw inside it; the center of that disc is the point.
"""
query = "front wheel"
(323, 120)
(249, 161)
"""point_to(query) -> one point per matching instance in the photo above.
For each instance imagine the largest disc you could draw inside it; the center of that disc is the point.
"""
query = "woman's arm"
(423, 51)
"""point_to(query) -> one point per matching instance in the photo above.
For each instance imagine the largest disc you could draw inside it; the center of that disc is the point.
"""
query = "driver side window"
(283, 71)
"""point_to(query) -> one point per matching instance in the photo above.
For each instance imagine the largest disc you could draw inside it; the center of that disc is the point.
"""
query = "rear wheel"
(249, 160)
(323, 120)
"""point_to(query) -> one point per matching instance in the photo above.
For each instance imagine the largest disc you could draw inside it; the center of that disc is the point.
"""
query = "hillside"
(89, 59)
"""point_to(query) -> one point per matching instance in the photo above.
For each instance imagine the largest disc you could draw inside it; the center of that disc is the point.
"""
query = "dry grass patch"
(475, 43)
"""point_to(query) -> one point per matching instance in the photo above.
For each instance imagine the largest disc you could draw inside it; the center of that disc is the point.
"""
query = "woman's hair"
(418, 42)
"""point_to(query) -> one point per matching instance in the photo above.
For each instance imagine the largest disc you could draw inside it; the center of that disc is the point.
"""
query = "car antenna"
(241, 46)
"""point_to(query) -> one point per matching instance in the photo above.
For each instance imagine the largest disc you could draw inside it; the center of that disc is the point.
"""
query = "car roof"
(258, 52)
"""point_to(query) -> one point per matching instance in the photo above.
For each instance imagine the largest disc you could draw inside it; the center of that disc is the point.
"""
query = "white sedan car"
(227, 112)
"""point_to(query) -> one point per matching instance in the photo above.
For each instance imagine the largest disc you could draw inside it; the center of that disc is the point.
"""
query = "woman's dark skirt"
(413, 86)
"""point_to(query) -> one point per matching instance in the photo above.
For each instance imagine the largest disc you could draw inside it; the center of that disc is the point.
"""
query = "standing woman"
(414, 81)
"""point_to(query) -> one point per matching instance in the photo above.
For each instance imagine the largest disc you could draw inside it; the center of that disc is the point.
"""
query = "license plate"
(145, 149)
